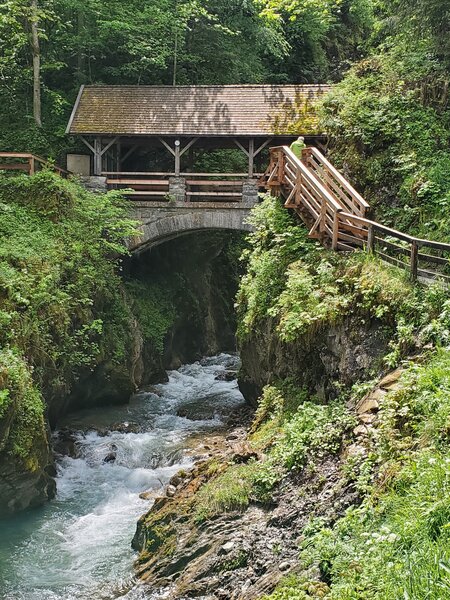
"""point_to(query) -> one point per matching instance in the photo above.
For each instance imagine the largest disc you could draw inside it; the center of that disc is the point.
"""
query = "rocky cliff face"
(334, 354)
(190, 316)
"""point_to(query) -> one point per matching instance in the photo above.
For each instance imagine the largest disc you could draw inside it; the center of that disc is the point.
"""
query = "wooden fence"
(27, 163)
(338, 216)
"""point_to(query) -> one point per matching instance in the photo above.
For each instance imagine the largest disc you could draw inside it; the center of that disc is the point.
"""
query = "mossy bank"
(82, 325)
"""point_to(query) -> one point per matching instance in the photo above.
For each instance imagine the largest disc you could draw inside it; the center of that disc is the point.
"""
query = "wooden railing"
(337, 214)
(200, 187)
(27, 163)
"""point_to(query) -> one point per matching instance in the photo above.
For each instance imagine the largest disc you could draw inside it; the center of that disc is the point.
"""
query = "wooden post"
(31, 166)
(298, 186)
(118, 156)
(370, 239)
(335, 240)
(251, 157)
(414, 260)
(177, 158)
(97, 156)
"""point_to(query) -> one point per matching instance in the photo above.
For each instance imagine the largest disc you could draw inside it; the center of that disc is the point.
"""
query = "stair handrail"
(361, 205)
(312, 179)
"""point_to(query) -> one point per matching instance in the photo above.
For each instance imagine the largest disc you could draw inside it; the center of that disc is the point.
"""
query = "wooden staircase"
(338, 216)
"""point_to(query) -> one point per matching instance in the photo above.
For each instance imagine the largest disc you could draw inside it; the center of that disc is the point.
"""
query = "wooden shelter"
(159, 131)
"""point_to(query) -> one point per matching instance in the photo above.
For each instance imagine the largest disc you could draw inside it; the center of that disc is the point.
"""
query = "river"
(78, 546)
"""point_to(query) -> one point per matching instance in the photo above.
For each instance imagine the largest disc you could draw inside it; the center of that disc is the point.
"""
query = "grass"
(396, 544)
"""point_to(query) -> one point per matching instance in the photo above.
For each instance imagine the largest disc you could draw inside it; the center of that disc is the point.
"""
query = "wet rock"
(110, 457)
(150, 495)
(284, 566)
(176, 479)
(226, 376)
(65, 443)
(171, 490)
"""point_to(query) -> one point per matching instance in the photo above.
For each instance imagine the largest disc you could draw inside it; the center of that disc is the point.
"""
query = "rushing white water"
(78, 546)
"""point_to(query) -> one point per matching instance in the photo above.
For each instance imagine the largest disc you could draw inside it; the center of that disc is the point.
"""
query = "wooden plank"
(158, 182)
(413, 260)
(206, 193)
(142, 193)
(358, 231)
(351, 238)
(345, 184)
(392, 260)
(214, 182)
(135, 174)
(437, 260)
(432, 274)
(394, 247)
(15, 167)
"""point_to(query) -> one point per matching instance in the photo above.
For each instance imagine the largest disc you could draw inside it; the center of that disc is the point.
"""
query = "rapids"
(78, 546)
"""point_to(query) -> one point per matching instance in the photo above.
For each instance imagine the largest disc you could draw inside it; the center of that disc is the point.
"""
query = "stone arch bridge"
(163, 221)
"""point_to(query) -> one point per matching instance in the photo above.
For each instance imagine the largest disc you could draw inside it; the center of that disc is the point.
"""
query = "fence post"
(414, 260)
(335, 240)
(370, 239)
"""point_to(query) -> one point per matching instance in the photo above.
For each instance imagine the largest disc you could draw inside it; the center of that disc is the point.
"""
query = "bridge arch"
(159, 225)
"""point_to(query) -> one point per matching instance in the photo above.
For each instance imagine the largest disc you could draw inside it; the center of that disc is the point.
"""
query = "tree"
(36, 52)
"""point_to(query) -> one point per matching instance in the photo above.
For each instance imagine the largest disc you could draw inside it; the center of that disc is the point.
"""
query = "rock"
(226, 548)
(64, 443)
(226, 376)
(176, 480)
(243, 452)
(284, 566)
(391, 379)
(370, 402)
(110, 458)
(149, 495)
(361, 430)
(171, 490)
(367, 418)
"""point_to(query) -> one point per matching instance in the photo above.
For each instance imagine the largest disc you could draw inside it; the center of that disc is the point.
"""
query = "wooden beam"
(129, 153)
(188, 145)
(164, 143)
(240, 146)
(177, 158)
(106, 148)
(86, 143)
(262, 146)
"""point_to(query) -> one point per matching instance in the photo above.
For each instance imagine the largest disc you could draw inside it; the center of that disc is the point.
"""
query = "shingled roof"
(210, 110)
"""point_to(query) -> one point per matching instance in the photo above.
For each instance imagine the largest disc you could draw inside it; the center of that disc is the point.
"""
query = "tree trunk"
(34, 23)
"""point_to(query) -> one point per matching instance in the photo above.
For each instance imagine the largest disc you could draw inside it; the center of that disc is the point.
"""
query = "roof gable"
(216, 110)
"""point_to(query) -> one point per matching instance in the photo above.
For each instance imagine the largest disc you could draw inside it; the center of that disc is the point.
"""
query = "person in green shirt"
(297, 146)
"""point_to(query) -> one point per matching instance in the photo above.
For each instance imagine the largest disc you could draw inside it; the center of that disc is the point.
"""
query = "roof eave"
(74, 111)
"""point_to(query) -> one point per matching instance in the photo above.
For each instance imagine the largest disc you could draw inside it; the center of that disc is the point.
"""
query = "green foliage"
(229, 491)
(293, 432)
(304, 287)
(397, 543)
(388, 121)
(60, 301)
(276, 242)
(154, 307)
(22, 406)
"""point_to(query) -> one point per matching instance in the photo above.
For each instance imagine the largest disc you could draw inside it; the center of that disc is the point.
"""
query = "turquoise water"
(78, 546)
